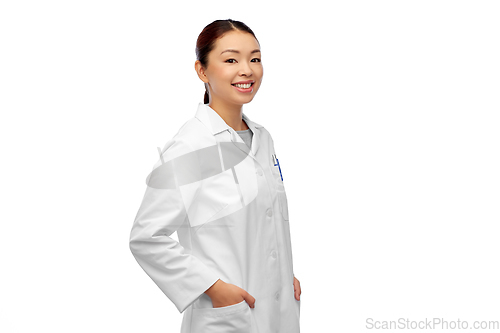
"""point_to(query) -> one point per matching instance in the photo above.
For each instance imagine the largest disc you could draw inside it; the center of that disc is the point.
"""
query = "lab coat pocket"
(280, 190)
(283, 202)
(234, 318)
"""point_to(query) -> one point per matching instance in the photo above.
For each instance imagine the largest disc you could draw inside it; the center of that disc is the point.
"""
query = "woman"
(218, 183)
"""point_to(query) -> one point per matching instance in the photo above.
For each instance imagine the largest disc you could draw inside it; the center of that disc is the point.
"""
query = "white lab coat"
(229, 208)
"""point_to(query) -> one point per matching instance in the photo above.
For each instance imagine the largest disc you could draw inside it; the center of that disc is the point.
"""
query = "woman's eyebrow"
(236, 51)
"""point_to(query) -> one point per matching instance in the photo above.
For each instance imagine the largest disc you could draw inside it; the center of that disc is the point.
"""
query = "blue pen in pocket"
(277, 163)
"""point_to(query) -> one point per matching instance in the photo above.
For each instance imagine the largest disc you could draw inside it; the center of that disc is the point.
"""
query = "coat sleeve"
(180, 275)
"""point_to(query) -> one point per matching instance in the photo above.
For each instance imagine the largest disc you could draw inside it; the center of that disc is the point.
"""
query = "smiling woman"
(218, 184)
(228, 53)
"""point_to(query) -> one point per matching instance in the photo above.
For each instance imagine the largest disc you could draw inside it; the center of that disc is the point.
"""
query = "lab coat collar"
(216, 124)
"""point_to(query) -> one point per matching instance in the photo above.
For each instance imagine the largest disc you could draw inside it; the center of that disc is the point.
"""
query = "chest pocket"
(280, 187)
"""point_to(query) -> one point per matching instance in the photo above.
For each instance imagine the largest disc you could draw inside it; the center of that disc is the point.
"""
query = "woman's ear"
(200, 71)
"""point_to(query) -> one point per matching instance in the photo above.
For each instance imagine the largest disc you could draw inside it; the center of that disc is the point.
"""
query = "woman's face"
(225, 68)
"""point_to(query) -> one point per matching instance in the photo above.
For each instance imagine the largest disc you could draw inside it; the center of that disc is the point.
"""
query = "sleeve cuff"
(207, 279)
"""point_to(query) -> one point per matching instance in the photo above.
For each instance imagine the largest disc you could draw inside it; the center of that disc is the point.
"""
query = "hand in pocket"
(225, 294)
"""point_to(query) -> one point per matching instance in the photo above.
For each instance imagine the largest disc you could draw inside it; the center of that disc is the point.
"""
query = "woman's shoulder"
(189, 137)
(265, 133)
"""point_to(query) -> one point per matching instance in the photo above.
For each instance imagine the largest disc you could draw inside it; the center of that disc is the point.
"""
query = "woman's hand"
(226, 294)
(296, 288)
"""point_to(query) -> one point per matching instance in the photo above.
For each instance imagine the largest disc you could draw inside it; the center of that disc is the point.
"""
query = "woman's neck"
(232, 115)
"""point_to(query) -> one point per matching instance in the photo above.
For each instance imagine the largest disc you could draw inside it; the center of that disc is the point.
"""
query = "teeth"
(246, 85)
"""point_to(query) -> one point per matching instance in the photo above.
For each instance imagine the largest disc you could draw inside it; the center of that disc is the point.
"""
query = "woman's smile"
(243, 87)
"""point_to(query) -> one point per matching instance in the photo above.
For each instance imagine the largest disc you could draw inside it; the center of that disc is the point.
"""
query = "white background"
(385, 117)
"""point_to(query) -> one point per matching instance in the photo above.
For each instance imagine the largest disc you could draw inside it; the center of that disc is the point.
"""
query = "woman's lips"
(244, 90)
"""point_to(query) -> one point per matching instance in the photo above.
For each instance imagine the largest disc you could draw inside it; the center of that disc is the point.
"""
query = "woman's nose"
(245, 69)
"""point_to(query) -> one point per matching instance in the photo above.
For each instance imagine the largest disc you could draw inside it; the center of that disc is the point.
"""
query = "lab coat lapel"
(216, 124)
(256, 134)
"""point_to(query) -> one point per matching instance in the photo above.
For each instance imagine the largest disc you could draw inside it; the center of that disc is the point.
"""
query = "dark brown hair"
(210, 34)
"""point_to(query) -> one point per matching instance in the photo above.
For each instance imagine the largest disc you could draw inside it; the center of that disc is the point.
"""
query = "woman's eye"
(235, 60)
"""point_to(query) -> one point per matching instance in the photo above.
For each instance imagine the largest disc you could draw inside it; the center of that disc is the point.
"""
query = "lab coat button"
(277, 296)
(274, 255)
(259, 172)
(269, 212)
